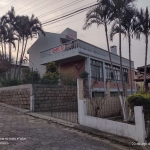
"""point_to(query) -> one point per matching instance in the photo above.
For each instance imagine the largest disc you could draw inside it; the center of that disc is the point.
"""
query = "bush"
(139, 99)
(30, 76)
(10, 82)
(51, 76)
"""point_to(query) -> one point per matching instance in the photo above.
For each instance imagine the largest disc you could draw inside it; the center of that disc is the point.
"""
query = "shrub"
(51, 76)
(139, 99)
(30, 76)
(10, 82)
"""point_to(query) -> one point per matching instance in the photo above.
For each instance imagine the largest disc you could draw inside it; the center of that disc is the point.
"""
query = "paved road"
(22, 132)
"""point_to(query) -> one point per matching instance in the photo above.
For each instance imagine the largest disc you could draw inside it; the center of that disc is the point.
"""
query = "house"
(139, 78)
(67, 51)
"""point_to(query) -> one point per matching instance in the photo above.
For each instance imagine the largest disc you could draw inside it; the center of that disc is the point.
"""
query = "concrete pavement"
(19, 131)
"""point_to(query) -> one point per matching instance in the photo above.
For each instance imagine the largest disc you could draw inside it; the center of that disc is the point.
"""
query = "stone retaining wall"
(55, 98)
(18, 96)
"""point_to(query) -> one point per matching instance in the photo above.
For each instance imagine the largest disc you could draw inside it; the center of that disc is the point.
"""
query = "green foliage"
(30, 76)
(51, 76)
(10, 82)
(83, 75)
(51, 67)
(68, 80)
(139, 99)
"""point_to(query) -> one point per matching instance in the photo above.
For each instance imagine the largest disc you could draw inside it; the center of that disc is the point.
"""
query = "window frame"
(97, 70)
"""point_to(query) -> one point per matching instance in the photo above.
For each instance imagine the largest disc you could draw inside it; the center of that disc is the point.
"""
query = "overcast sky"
(96, 36)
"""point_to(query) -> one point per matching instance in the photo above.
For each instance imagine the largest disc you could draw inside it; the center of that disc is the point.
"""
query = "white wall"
(48, 41)
(118, 128)
(136, 132)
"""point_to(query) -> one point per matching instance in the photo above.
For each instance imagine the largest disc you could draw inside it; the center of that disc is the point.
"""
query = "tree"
(51, 75)
(142, 28)
(118, 9)
(102, 16)
(28, 28)
(127, 29)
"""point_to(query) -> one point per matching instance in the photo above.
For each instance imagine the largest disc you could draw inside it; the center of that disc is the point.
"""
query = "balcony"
(78, 49)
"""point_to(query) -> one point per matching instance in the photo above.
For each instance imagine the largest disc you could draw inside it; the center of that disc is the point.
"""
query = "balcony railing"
(73, 45)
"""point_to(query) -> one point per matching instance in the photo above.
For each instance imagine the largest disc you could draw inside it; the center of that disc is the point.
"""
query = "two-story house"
(67, 51)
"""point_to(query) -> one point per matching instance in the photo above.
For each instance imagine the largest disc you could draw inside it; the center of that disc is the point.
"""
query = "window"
(109, 73)
(96, 69)
(114, 94)
(125, 74)
(98, 94)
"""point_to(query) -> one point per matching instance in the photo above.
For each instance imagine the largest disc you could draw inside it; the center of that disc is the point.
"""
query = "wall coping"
(16, 87)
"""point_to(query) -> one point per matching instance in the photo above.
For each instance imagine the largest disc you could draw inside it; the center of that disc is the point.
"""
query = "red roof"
(141, 77)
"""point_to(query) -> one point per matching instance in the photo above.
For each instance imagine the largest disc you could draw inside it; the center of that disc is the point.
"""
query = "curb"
(15, 108)
(101, 135)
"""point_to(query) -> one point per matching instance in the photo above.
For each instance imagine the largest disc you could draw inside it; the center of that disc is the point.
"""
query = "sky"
(48, 9)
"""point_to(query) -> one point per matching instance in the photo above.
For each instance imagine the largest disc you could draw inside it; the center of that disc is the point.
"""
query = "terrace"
(78, 49)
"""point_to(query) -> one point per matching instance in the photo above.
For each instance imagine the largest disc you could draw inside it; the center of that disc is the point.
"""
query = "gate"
(57, 101)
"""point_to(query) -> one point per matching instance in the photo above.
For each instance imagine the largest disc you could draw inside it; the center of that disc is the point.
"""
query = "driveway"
(22, 132)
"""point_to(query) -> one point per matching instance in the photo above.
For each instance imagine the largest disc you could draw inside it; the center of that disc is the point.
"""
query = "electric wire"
(68, 15)
(67, 12)
(51, 3)
(26, 5)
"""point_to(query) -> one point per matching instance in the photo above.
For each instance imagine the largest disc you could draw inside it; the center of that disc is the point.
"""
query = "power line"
(27, 5)
(62, 19)
(65, 23)
(7, 4)
(59, 8)
(51, 3)
(69, 15)
(68, 11)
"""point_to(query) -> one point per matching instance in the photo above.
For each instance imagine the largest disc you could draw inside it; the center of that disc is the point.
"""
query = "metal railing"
(73, 45)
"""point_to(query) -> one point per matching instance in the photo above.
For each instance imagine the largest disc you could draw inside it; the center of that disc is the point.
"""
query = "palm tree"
(119, 8)
(142, 28)
(29, 28)
(103, 15)
(10, 18)
(127, 29)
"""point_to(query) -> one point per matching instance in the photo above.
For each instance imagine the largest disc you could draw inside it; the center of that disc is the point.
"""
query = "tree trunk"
(129, 40)
(111, 60)
(120, 97)
(16, 59)
(10, 59)
(121, 75)
(20, 57)
(5, 49)
(2, 50)
(145, 69)
(23, 52)
(10, 52)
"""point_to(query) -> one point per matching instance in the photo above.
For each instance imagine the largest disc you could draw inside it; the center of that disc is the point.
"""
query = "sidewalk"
(129, 143)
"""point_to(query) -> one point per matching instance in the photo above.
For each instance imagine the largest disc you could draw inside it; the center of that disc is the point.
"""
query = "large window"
(109, 73)
(96, 69)
(98, 94)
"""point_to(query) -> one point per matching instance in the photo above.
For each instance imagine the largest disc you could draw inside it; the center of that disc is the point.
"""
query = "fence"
(136, 132)
(104, 107)
(56, 101)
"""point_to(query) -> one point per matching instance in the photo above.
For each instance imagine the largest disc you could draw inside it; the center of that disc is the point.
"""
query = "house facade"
(73, 55)
(139, 78)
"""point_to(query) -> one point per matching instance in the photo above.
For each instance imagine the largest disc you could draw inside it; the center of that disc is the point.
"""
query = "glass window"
(109, 73)
(98, 94)
(96, 69)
